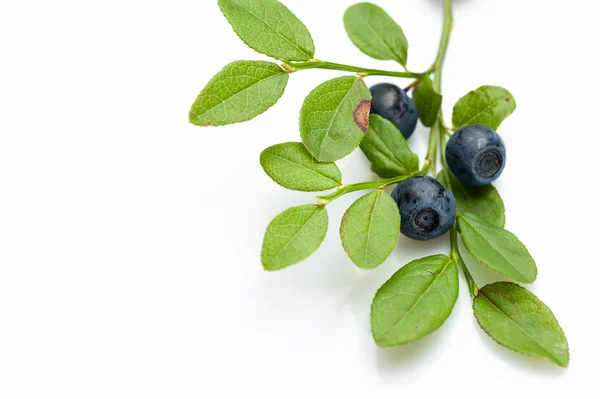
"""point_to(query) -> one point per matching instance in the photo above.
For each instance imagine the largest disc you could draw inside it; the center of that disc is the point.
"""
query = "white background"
(130, 239)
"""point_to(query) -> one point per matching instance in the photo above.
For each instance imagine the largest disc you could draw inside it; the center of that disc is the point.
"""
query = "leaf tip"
(268, 266)
(198, 121)
(380, 342)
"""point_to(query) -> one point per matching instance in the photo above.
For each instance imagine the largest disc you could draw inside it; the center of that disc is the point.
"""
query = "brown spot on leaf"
(507, 100)
(361, 115)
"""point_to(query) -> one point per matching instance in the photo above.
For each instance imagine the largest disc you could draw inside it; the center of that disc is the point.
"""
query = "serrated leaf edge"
(482, 111)
(336, 183)
(523, 279)
(197, 116)
(397, 57)
(310, 53)
(318, 209)
(378, 341)
(371, 214)
(551, 357)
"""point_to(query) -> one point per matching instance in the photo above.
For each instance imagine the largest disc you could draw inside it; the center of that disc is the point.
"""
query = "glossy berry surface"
(427, 209)
(392, 103)
(476, 155)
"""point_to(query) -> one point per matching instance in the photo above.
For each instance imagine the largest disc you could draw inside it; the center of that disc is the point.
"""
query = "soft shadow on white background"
(130, 240)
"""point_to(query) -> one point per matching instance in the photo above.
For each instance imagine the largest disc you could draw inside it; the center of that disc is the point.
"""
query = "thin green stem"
(345, 189)
(379, 184)
(297, 66)
(436, 134)
(443, 140)
(412, 85)
(443, 48)
(457, 258)
(437, 130)
(432, 151)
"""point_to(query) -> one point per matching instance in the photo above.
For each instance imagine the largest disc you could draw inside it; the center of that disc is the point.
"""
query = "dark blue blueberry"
(427, 209)
(476, 155)
(392, 103)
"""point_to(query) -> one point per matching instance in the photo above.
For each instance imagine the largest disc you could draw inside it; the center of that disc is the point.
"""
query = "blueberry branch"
(457, 258)
(413, 84)
(379, 184)
(443, 48)
(432, 151)
(443, 139)
(438, 131)
(317, 64)
(349, 188)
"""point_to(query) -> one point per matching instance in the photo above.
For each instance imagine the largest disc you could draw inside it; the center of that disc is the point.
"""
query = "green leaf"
(335, 117)
(484, 201)
(291, 166)
(241, 91)
(428, 101)
(370, 229)
(496, 248)
(518, 320)
(269, 27)
(488, 105)
(375, 33)
(386, 149)
(415, 301)
(293, 236)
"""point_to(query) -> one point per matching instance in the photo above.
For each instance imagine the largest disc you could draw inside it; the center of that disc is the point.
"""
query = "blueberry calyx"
(426, 220)
(476, 155)
(427, 208)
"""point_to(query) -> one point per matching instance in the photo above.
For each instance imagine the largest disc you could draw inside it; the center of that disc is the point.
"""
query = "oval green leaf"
(518, 320)
(291, 166)
(269, 27)
(335, 117)
(370, 229)
(496, 248)
(239, 92)
(428, 101)
(484, 202)
(375, 33)
(387, 150)
(415, 301)
(488, 105)
(293, 236)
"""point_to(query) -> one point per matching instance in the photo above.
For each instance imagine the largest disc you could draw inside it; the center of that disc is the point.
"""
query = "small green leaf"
(293, 236)
(415, 301)
(428, 101)
(518, 320)
(484, 202)
(291, 166)
(241, 91)
(496, 248)
(269, 27)
(386, 149)
(488, 105)
(335, 117)
(375, 33)
(370, 229)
